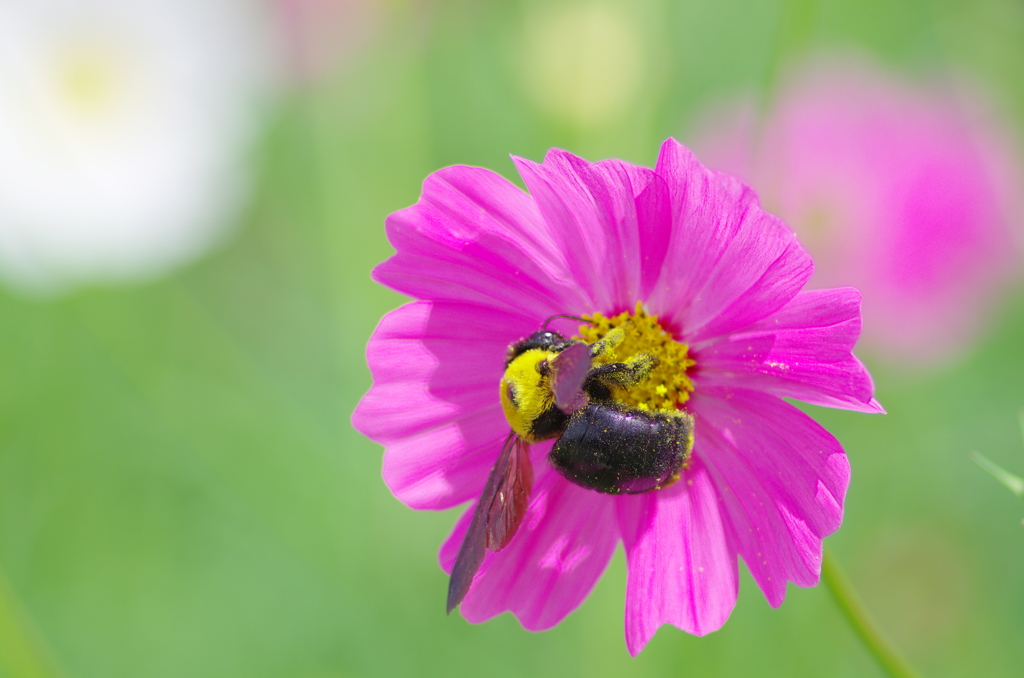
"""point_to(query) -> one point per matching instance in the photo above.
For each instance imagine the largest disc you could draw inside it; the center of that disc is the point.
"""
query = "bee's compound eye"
(510, 393)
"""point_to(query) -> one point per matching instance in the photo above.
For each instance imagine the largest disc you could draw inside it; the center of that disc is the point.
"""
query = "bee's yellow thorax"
(525, 392)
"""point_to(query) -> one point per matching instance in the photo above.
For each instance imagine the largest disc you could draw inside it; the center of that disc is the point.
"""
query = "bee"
(552, 388)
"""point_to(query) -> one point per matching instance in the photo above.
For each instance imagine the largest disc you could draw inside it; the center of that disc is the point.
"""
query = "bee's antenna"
(569, 317)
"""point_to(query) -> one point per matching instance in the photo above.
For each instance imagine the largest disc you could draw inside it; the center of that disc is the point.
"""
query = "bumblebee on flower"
(692, 315)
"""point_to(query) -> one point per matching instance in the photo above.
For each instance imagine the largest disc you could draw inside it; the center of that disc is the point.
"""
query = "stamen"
(667, 387)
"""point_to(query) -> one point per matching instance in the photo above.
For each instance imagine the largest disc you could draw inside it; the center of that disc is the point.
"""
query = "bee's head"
(526, 396)
(546, 340)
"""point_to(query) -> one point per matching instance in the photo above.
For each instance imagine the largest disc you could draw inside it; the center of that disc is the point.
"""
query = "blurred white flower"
(124, 130)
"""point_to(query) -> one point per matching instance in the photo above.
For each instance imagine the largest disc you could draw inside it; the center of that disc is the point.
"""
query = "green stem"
(22, 654)
(863, 625)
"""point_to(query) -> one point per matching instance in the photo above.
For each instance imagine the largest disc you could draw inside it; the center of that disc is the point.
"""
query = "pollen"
(667, 387)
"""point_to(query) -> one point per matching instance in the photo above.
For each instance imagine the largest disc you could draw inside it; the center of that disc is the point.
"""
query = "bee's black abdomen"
(617, 450)
(549, 424)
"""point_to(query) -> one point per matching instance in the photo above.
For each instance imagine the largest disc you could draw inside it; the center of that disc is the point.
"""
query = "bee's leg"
(625, 374)
(600, 349)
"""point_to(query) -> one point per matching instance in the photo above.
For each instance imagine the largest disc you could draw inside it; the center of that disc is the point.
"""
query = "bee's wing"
(497, 516)
(509, 504)
(568, 372)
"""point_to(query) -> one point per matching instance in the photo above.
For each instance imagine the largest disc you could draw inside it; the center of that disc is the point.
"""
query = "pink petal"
(446, 466)
(550, 566)
(434, 404)
(682, 570)
(610, 219)
(729, 262)
(803, 351)
(474, 236)
(781, 480)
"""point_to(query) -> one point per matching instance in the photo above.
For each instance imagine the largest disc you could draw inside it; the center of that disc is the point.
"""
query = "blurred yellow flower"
(582, 63)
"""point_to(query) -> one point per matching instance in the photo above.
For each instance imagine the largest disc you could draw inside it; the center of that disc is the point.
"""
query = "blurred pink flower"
(488, 262)
(906, 193)
(321, 34)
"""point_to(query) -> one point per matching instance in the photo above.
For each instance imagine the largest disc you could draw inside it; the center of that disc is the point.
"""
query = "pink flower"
(489, 262)
(906, 193)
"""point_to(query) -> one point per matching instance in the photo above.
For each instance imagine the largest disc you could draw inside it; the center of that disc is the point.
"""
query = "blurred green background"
(181, 492)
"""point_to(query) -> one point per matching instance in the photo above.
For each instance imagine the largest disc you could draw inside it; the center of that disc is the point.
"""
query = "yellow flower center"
(667, 387)
(90, 80)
